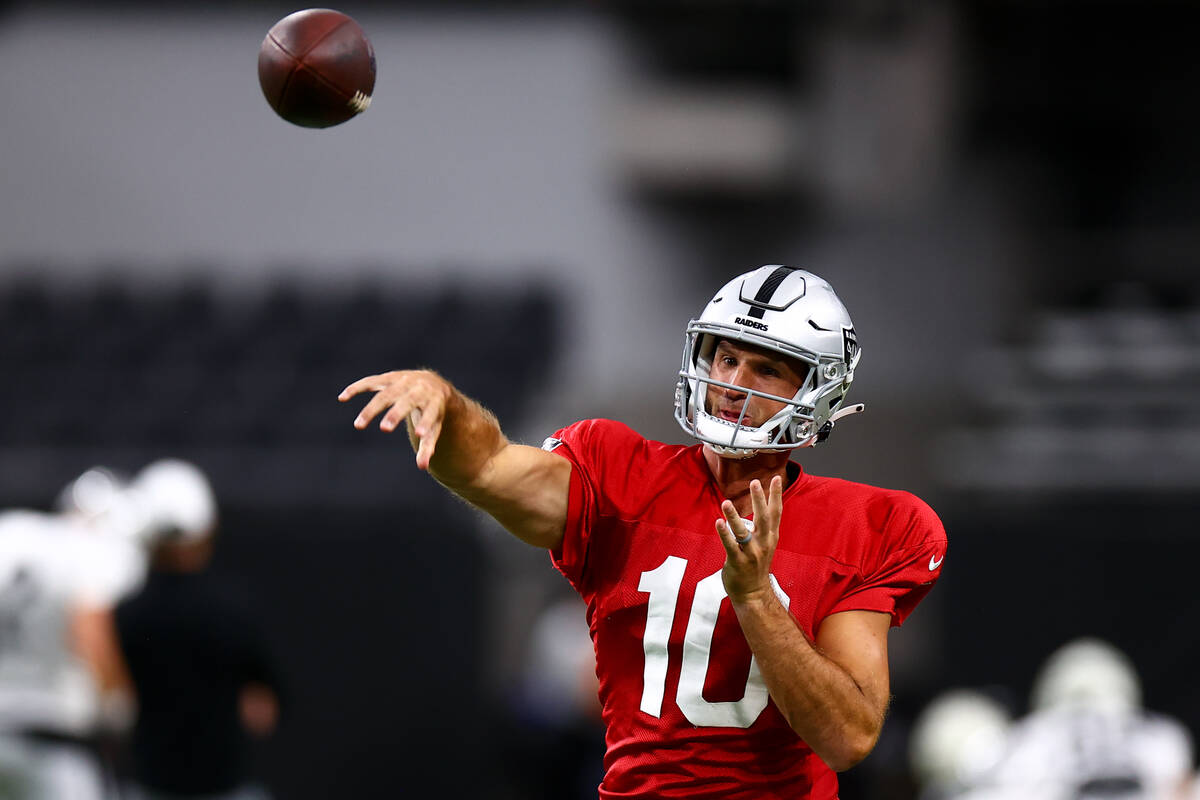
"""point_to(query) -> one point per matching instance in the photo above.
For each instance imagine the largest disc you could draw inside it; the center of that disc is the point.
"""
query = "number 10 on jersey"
(662, 584)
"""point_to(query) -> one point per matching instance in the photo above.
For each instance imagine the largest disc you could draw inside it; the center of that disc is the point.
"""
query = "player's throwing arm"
(460, 443)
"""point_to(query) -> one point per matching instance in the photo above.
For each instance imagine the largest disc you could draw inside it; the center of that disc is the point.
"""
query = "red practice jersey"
(686, 709)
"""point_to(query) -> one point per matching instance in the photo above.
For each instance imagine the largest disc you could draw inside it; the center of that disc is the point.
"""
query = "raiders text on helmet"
(791, 312)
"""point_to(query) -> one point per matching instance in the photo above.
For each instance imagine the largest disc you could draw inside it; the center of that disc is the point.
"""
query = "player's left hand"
(747, 570)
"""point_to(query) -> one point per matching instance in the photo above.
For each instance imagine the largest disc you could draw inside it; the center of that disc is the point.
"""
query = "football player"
(955, 741)
(62, 678)
(1088, 735)
(195, 654)
(739, 606)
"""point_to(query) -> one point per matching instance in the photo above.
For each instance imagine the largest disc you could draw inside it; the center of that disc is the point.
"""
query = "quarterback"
(739, 607)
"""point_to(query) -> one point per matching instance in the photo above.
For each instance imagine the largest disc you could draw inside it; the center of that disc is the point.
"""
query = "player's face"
(752, 368)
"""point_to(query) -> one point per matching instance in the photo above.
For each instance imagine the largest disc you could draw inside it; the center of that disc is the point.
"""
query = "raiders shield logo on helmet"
(849, 345)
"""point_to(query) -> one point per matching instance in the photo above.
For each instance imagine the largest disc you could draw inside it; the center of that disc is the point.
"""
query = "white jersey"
(1081, 754)
(51, 566)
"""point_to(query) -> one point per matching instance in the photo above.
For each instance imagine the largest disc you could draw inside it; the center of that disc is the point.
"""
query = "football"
(316, 68)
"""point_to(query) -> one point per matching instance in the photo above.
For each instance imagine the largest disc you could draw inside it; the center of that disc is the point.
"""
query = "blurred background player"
(1086, 737)
(957, 738)
(202, 676)
(62, 679)
(1089, 736)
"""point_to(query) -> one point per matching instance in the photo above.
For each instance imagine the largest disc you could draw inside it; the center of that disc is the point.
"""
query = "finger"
(401, 407)
(736, 525)
(394, 403)
(775, 503)
(371, 383)
(728, 539)
(374, 406)
(429, 429)
(425, 452)
(733, 518)
(758, 502)
(429, 424)
(415, 410)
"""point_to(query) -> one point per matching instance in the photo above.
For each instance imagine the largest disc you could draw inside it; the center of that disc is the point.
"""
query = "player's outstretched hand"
(419, 394)
(748, 553)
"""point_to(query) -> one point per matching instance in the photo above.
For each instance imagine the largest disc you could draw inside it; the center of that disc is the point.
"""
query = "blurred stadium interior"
(1004, 193)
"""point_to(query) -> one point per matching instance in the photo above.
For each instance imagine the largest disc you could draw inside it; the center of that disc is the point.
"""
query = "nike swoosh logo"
(935, 562)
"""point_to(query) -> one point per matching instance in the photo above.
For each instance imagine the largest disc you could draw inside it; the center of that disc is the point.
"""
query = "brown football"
(317, 68)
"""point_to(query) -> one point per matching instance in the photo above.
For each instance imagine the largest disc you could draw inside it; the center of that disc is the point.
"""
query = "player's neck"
(733, 475)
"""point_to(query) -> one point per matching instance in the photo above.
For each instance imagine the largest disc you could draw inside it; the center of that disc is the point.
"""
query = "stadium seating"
(245, 384)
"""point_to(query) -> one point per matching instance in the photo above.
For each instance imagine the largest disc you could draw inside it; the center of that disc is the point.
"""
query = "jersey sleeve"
(593, 447)
(105, 569)
(913, 548)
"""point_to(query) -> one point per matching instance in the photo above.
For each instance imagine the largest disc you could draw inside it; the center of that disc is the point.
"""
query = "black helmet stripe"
(767, 290)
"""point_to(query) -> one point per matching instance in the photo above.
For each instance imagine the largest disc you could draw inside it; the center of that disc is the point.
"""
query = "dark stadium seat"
(112, 366)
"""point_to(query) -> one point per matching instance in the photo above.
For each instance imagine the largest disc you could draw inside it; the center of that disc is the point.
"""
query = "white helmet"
(178, 500)
(92, 494)
(792, 312)
(1088, 673)
(957, 737)
(103, 501)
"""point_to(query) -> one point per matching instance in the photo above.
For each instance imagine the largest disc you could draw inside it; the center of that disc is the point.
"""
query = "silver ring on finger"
(749, 525)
